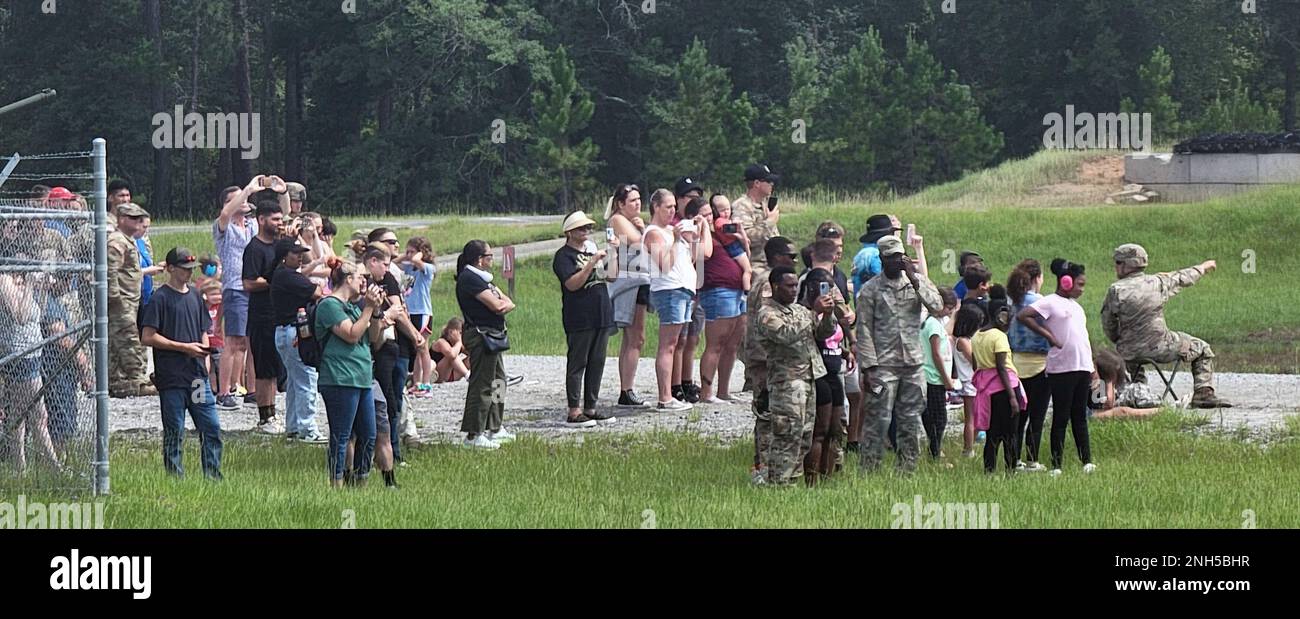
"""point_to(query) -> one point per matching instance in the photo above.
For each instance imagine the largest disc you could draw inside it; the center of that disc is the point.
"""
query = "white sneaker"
(271, 426)
(482, 442)
(1056, 473)
(315, 438)
(1089, 468)
(673, 406)
(501, 436)
(1035, 467)
(1020, 467)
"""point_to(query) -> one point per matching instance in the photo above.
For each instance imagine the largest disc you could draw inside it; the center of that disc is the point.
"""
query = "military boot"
(1205, 398)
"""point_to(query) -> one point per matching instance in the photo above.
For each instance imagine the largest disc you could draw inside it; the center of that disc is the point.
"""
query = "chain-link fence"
(53, 408)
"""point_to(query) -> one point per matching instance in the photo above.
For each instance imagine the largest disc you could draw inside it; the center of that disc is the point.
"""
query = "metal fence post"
(101, 317)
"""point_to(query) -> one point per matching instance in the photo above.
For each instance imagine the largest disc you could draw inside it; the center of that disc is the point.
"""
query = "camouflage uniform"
(755, 360)
(1133, 318)
(127, 373)
(753, 218)
(789, 336)
(889, 343)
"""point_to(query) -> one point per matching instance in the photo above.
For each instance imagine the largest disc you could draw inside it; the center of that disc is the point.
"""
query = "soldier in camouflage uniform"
(1133, 319)
(750, 211)
(779, 251)
(890, 354)
(127, 374)
(788, 333)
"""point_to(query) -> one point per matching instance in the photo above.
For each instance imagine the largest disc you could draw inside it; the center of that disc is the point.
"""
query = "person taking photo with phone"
(758, 214)
(890, 354)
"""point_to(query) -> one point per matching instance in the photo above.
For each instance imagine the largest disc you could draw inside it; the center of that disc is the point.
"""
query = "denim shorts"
(234, 312)
(673, 306)
(722, 303)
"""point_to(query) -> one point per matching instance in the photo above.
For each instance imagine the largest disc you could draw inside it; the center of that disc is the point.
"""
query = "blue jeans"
(401, 370)
(300, 388)
(351, 413)
(202, 407)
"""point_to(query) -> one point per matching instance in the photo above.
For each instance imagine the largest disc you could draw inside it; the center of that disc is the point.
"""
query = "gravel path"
(536, 406)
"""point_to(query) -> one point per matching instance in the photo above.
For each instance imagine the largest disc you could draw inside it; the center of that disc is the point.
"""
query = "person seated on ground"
(1133, 317)
(1114, 396)
(451, 362)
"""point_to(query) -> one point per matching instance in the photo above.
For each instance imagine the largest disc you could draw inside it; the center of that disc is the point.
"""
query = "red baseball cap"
(60, 193)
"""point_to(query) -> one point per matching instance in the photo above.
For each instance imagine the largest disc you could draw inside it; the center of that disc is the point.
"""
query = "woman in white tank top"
(672, 283)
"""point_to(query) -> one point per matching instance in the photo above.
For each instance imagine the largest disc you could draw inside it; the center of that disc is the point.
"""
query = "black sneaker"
(228, 403)
(250, 399)
(629, 398)
(692, 392)
(679, 393)
(514, 380)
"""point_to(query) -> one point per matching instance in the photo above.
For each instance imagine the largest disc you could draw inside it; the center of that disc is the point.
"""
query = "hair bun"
(1060, 266)
(997, 291)
(334, 262)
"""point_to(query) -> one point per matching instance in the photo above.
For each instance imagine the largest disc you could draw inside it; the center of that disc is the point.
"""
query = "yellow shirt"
(986, 345)
(1031, 363)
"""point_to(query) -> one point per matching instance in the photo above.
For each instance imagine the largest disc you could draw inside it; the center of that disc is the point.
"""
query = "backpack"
(312, 349)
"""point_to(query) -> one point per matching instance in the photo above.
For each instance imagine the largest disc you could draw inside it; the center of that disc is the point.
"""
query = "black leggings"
(935, 418)
(1002, 429)
(1070, 406)
(1039, 392)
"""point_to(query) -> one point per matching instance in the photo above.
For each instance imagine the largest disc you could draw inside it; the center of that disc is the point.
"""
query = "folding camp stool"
(1135, 366)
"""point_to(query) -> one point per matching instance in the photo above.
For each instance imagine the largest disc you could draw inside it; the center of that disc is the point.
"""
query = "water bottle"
(303, 331)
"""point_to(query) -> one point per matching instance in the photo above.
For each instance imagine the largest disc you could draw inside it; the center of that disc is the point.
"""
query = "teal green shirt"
(933, 373)
(342, 364)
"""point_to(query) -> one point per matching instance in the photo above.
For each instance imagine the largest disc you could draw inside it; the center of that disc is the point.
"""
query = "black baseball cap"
(284, 247)
(686, 185)
(182, 257)
(760, 172)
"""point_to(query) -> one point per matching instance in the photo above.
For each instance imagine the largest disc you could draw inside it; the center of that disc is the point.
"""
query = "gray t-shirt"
(230, 250)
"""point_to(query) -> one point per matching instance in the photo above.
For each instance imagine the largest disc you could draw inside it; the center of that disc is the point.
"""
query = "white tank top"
(682, 275)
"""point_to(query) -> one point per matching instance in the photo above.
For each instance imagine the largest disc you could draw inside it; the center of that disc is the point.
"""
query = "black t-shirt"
(290, 290)
(588, 307)
(468, 285)
(259, 261)
(841, 282)
(392, 288)
(179, 317)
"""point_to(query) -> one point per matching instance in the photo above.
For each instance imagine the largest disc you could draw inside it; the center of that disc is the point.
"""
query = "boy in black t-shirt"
(175, 325)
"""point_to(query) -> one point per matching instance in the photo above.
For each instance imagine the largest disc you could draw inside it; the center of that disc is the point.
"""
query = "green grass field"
(1248, 316)
(1151, 474)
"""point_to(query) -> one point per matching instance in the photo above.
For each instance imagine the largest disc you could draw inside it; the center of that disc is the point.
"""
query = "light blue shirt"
(419, 301)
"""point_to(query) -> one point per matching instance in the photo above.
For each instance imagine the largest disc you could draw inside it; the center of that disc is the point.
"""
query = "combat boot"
(1205, 398)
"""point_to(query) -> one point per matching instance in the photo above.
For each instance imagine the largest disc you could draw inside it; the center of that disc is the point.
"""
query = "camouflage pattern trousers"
(127, 365)
(1192, 350)
(902, 398)
(793, 409)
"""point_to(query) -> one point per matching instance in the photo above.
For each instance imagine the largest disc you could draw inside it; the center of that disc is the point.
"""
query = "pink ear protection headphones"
(1067, 282)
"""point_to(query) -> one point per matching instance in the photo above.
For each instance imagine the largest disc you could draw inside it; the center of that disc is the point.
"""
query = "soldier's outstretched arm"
(1173, 283)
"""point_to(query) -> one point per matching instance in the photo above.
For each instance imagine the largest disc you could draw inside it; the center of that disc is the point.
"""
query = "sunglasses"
(390, 241)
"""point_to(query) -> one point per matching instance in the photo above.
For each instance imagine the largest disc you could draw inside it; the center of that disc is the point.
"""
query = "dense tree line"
(423, 105)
